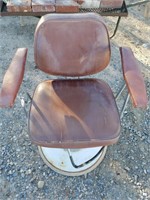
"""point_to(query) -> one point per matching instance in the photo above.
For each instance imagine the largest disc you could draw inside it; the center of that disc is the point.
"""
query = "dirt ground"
(124, 173)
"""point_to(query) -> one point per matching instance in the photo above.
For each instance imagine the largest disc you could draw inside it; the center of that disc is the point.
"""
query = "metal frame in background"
(114, 12)
(120, 12)
(102, 11)
(127, 6)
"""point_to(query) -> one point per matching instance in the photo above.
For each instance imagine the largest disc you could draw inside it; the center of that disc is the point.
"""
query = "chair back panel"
(71, 44)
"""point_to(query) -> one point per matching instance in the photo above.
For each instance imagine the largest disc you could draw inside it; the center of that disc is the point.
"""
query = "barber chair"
(72, 120)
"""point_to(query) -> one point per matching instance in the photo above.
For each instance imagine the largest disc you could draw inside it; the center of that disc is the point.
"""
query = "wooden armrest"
(133, 78)
(13, 78)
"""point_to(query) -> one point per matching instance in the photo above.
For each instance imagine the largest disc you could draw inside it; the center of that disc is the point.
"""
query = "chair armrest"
(133, 78)
(13, 78)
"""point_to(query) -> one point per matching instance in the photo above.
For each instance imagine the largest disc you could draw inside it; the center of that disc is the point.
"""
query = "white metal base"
(59, 160)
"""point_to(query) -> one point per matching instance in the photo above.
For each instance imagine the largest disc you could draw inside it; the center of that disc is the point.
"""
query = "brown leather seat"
(73, 114)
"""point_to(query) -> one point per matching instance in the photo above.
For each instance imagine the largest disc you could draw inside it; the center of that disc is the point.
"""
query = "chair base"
(72, 162)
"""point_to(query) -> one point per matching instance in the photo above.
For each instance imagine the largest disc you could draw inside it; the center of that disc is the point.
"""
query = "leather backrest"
(71, 44)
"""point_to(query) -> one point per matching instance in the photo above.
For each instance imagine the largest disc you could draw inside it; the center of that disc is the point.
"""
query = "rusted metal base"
(102, 11)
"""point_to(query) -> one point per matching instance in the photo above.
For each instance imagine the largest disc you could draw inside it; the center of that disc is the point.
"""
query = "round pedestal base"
(72, 162)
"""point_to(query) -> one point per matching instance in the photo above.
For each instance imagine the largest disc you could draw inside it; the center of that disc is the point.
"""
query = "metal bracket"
(23, 104)
(123, 9)
(124, 106)
(116, 28)
(120, 91)
(125, 102)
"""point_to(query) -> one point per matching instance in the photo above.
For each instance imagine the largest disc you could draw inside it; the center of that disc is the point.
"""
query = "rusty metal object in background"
(102, 11)
(37, 11)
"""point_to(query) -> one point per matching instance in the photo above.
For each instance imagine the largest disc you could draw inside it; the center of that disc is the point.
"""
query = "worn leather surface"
(73, 114)
(133, 77)
(71, 44)
(13, 78)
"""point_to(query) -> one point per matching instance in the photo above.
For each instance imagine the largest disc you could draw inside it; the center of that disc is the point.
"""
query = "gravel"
(124, 173)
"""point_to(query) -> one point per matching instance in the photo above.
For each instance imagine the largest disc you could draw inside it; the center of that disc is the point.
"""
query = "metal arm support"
(125, 102)
(124, 106)
(23, 104)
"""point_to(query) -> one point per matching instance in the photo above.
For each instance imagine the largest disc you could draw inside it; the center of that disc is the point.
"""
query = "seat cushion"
(77, 113)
